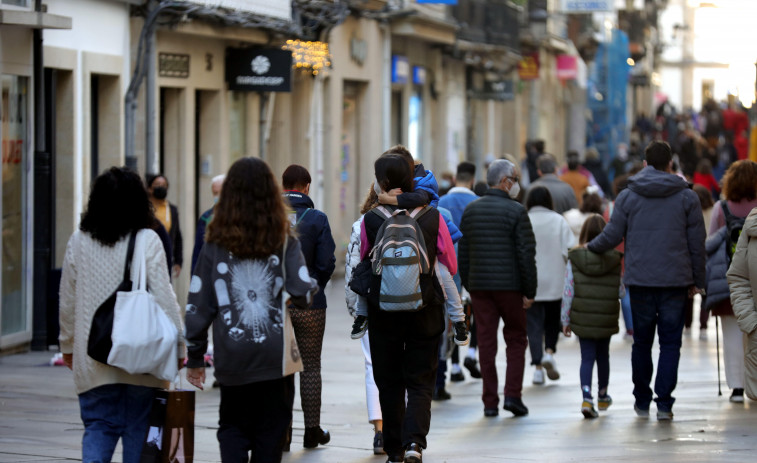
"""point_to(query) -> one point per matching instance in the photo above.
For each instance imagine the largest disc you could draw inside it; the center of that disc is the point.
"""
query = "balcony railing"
(495, 22)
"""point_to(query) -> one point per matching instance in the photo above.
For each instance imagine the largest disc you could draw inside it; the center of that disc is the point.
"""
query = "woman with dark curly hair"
(236, 287)
(740, 193)
(114, 404)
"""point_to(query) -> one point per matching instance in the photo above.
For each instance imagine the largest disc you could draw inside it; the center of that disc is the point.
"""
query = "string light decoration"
(311, 56)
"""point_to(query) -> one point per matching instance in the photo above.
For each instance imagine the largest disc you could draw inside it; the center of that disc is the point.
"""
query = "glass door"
(14, 314)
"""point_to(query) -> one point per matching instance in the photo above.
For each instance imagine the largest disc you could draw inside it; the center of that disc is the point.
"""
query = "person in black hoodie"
(318, 247)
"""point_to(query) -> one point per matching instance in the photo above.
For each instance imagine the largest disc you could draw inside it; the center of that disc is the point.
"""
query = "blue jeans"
(111, 412)
(663, 309)
(625, 305)
(595, 351)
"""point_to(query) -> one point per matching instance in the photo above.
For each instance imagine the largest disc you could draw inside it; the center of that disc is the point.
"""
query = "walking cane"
(717, 350)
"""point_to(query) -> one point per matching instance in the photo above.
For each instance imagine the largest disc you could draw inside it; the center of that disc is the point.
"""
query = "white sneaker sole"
(463, 343)
(551, 369)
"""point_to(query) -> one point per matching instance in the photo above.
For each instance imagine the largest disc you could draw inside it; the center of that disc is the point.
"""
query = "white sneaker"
(538, 377)
(549, 364)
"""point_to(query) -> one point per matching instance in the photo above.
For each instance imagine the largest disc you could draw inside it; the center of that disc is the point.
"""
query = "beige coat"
(742, 282)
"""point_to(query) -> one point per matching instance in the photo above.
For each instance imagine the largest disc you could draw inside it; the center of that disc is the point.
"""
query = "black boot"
(315, 436)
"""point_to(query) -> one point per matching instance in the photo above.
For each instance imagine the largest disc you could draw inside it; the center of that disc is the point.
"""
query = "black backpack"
(733, 227)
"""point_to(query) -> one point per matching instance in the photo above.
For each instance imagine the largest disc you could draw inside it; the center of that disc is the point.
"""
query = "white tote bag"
(291, 360)
(145, 340)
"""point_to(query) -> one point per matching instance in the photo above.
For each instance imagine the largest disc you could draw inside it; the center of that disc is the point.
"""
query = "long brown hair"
(591, 228)
(371, 201)
(250, 219)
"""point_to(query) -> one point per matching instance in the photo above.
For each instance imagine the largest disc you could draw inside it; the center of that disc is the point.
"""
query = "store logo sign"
(259, 69)
(260, 65)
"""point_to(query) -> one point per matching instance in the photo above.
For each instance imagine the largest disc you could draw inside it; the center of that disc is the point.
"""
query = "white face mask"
(376, 187)
(514, 190)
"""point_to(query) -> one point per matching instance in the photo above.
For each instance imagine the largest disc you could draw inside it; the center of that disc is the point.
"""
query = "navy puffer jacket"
(717, 266)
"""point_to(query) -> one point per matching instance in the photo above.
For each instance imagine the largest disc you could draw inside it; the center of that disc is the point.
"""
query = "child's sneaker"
(587, 408)
(359, 327)
(462, 338)
(603, 403)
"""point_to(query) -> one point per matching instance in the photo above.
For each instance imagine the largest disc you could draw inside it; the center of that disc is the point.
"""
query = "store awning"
(34, 19)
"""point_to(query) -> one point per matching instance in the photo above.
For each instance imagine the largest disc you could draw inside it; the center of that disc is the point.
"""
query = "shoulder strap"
(302, 216)
(382, 212)
(726, 210)
(419, 211)
(130, 255)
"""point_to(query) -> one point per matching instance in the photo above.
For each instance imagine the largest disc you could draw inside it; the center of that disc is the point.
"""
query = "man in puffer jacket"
(497, 260)
(743, 289)
(661, 219)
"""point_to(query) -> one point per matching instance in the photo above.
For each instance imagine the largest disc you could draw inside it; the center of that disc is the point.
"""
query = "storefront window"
(415, 124)
(14, 145)
(16, 2)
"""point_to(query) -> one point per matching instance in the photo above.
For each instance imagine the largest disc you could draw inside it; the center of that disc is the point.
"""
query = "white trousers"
(733, 352)
(371, 391)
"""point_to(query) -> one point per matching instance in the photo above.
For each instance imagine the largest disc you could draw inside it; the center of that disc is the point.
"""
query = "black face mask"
(159, 192)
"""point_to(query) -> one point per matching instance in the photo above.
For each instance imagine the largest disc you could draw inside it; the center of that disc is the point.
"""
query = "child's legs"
(603, 366)
(588, 357)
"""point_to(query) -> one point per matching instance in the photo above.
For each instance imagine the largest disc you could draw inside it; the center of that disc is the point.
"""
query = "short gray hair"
(546, 164)
(498, 170)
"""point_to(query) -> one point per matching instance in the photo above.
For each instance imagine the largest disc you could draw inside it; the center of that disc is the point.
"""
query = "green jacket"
(596, 278)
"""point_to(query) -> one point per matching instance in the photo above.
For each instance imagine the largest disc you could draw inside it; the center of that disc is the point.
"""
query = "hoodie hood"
(750, 224)
(425, 180)
(653, 183)
(297, 199)
(593, 264)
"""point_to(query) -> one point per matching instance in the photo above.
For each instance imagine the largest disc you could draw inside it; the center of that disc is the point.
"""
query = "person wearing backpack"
(726, 223)
(405, 315)
(314, 233)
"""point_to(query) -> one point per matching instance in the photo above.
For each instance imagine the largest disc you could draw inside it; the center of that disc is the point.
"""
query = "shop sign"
(567, 67)
(497, 90)
(259, 69)
(528, 67)
(173, 65)
(586, 6)
(419, 75)
(400, 69)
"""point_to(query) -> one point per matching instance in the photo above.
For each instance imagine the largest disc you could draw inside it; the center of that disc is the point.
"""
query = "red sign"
(528, 67)
(567, 67)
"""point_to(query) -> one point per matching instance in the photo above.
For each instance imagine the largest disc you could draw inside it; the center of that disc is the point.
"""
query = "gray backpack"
(399, 259)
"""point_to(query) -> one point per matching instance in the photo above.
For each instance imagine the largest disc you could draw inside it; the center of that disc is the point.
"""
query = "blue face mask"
(445, 185)
(215, 200)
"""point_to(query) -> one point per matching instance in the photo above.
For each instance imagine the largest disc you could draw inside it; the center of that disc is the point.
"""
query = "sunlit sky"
(724, 31)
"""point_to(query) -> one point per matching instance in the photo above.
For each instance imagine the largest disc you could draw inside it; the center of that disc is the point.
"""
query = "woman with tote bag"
(248, 269)
(114, 404)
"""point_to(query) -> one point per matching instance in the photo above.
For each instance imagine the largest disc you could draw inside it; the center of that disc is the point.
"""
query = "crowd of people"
(426, 274)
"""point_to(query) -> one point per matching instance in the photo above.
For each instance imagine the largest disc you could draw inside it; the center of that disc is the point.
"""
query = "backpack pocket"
(400, 279)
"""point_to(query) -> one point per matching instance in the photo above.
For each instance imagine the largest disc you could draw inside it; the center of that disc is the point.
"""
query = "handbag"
(292, 360)
(99, 342)
(145, 340)
(170, 433)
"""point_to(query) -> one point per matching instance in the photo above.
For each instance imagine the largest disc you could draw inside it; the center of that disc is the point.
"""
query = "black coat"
(318, 245)
(498, 248)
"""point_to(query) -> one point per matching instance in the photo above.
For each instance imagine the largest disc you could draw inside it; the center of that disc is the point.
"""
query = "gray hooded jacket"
(661, 219)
